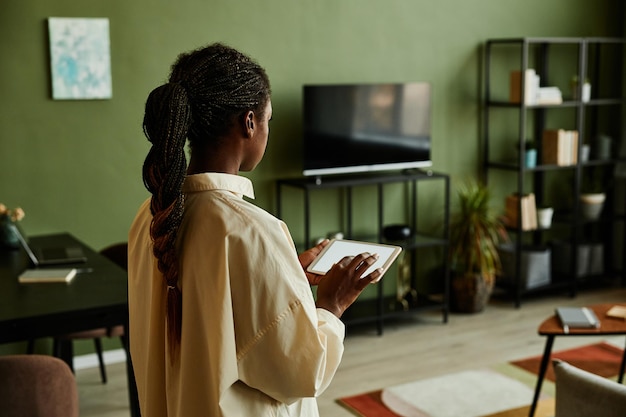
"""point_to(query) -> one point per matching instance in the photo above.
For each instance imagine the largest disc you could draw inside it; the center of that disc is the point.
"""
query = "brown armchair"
(37, 386)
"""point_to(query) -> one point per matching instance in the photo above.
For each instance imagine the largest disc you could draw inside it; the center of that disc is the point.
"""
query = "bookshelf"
(533, 95)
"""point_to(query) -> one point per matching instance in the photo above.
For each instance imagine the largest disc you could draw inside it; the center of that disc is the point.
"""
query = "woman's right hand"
(342, 284)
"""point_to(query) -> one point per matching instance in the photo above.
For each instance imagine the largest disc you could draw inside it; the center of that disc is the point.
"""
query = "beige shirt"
(253, 343)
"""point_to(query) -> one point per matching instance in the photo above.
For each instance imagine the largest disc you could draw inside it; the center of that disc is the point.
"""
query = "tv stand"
(431, 247)
(412, 171)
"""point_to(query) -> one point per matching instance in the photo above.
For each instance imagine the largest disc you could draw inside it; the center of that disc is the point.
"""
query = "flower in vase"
(15, 215)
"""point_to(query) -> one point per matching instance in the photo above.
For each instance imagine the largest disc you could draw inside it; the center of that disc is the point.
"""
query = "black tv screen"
(366, 127)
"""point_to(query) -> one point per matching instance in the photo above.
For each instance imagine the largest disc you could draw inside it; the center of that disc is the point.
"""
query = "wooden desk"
(93, 299)
(552, 328)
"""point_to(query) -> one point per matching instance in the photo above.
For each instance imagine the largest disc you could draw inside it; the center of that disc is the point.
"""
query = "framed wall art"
(80, 58)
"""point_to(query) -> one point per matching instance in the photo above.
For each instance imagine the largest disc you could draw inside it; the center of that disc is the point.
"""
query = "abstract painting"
(80, 58)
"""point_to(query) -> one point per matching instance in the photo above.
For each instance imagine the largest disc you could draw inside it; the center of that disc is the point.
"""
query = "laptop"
(51, 255)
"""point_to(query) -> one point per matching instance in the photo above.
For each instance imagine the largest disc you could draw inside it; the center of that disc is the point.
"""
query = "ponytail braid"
(166, 123)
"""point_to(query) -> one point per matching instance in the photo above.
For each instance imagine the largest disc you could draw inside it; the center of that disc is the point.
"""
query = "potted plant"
(475, 232)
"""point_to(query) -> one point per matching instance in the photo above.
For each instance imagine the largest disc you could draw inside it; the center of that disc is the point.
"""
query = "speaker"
(397, 232)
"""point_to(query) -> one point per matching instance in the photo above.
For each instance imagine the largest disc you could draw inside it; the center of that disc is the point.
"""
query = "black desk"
(93, 299)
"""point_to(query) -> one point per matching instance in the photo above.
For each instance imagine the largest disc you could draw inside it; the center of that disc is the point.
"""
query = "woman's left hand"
(308, 256)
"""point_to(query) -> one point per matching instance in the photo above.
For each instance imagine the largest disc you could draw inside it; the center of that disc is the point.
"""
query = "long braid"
(208, 88)
(166, 123)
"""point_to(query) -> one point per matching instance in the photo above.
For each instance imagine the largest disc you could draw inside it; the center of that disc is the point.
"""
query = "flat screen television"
(366, 127)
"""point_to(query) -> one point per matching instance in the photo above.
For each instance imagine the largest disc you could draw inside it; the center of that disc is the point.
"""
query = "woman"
(222, 318)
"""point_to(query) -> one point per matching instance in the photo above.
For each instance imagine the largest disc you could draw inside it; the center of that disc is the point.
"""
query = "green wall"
(76, 165)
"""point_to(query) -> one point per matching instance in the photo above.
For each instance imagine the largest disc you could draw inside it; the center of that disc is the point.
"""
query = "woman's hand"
(342, 284)
(307, 257)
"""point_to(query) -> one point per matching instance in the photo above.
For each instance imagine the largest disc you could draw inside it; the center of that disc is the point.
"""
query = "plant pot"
(470, 293)
(591, 205)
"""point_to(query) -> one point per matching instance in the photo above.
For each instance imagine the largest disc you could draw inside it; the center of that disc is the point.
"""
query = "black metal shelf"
(515, 166)
(366, 311)
(417, 241)
(587, 58)
(318, 182)
(564, 104)
(308, 185)
(554, 285)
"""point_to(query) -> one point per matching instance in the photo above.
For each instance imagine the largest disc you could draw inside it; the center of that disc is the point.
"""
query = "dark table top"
(95, 297)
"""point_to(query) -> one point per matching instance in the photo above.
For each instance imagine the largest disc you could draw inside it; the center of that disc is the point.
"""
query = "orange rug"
(601, 358)
(367, 405)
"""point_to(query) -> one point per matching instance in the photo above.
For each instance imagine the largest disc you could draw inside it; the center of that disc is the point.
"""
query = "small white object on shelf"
(586, 92)
(544, 217)
(548, 95)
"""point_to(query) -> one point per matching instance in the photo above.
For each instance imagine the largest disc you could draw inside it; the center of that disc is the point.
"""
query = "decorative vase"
(544, 217)
(8, 234)
(530, 158)
(585, 90)
(603, 147)
(470, 293)
(584, 153)
(591, 205)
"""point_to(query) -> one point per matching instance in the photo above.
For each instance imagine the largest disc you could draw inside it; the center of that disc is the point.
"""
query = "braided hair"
(207, 90)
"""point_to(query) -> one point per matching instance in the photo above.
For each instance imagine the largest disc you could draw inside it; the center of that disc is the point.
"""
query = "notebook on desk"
(51, 255)
(577, 318)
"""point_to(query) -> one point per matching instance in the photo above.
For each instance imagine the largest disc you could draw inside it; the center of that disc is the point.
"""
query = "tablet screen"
(337, 249)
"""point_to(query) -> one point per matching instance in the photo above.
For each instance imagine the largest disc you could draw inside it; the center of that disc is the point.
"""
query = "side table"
(552, 328)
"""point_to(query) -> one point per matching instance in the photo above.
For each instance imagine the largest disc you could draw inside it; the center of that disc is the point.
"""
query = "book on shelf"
(577, 318)
(559, 147)
(531, 91)
(525, 207)
(548, 95)
(531, 86)
(44, 275)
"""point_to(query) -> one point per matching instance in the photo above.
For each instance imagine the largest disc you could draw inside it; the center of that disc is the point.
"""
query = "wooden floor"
(419, 347)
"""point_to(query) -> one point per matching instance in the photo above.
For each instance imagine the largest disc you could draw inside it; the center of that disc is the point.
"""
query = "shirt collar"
(207, 181)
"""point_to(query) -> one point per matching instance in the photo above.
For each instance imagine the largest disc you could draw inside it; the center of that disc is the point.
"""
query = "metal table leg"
(542, 373)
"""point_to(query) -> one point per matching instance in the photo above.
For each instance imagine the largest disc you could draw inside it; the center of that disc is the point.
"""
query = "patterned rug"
(471, 393)
(601, 359)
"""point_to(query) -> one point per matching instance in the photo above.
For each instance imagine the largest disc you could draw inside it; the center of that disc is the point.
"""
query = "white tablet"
(337, 249)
